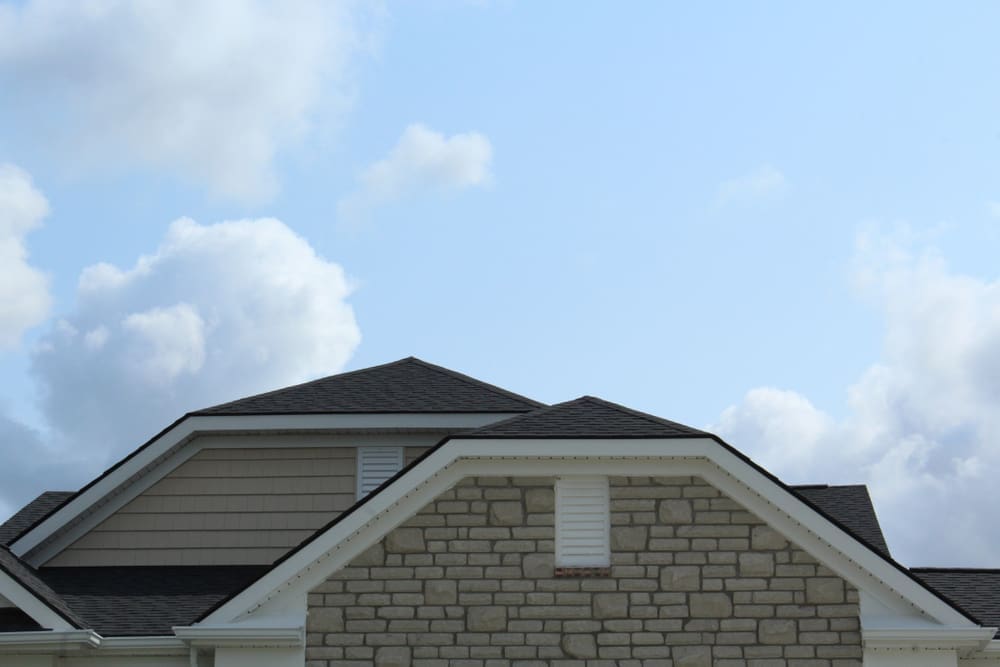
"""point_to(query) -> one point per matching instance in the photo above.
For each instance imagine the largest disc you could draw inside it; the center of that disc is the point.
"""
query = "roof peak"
(407, 385)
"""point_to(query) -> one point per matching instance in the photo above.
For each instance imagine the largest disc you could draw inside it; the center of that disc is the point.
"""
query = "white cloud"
(24, 290)
(994, 208)
(764, 182)
(422, 159)
(215, 313)
(923, 426)
(210, 91)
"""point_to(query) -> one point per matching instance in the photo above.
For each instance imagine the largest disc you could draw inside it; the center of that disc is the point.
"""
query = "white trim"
(929, 637)
(241, 636)
(133, 474)
(163, 645)
(25, 600)
(702, 457)
(48, 641)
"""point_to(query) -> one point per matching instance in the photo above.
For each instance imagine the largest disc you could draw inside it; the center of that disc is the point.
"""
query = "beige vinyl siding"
(224, 506)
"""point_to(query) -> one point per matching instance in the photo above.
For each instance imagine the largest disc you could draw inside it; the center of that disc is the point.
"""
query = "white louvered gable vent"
(376, 465)
(583, 522)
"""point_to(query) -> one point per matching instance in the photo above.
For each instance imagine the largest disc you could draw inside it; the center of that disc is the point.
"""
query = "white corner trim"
(938, 638)
(241, 636)
(109, 490)
(32, 605)
(44, 641)
(701, 457)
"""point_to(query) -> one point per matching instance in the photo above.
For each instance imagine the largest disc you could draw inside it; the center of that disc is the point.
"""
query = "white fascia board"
(165, 443)
(47, 641)
(241, 636)
(32, 605)
(702, 457)
(148, 646)
(937, 638)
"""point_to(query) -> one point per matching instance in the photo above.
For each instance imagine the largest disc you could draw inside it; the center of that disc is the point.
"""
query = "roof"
(406, 386)
(851, 506)
(15, 620)
(585, 417)
(146, 600)
(31, 513)
(975, 590)
(27, 577)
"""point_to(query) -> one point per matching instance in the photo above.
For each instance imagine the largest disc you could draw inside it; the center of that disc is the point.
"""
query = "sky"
(777, 221)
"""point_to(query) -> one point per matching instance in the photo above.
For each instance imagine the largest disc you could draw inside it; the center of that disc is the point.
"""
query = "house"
(406, 514)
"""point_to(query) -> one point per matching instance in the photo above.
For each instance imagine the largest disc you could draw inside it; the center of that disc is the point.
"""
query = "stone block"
(506, 513)
(392, 656)
(325, 619)
(540, 500)
(766, 538)
(405, 541)
(680, 578)
(824, 590)
(486, 619)
(776, 631)
(579, 646)
(710, 605)
(692, 656)
(675, 511)
(610, 605)
(538, 566)
(624, 538)
(756, 564)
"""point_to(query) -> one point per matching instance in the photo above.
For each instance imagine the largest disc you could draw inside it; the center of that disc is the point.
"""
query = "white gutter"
(47, 641)
(238, 636)
(962, 639)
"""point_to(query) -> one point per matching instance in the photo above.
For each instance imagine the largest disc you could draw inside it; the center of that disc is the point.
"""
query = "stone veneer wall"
(695, 580)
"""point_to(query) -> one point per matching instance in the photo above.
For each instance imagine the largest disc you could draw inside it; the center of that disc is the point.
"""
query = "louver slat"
(583, 522)
(376, 465)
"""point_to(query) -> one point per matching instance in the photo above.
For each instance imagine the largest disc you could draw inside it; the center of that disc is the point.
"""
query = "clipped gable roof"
(409, 385)
(851, 506)
(585, 417)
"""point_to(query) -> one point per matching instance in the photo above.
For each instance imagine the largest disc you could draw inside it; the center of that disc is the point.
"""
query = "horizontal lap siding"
(225, 506)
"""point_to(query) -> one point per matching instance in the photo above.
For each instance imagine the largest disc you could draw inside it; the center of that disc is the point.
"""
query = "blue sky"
(779, 221)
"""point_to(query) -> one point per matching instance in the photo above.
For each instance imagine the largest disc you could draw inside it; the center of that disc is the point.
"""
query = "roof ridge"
(306, 383)
(639, 413)
(468, 379)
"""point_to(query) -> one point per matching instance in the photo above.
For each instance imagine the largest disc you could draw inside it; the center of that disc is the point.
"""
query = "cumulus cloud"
(422, 159)
(994, 208)
(764, 182)
(210, 91)
(216, 312)
(923, 425)
(24, 290)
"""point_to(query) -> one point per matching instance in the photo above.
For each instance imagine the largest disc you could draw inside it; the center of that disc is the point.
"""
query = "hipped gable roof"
(30, 513)
(409, 385)
(27, 577)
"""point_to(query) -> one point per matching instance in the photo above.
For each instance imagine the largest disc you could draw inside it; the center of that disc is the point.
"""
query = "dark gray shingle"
(146, 600)
(851, 506)
(407, 385)
(585, 417)
(977, 591)
(28, 577)
(31, 513)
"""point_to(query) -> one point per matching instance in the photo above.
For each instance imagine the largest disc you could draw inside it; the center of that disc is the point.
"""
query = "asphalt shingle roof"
(585, 417)
(28, 577)
(851, 506)
(977, 591)
(31, 513)
(136, 600)
(408, 385)
(15, 620)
